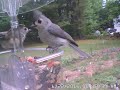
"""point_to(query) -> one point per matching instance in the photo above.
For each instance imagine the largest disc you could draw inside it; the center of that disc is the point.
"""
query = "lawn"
(100, 72)
(108, 67)
(101, 79)
(89, 46)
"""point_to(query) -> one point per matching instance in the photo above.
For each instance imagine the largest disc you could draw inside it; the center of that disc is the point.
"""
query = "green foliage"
(91, 36)
(4, 23)
(77, 17)
(91, 15)
(51, 11)
(107, 14)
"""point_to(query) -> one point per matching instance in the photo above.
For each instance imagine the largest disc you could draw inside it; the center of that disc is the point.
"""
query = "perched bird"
(53, 35)
(7, 39)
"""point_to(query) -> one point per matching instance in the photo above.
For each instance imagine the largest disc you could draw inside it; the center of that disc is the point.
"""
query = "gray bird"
(7, 40)
(53, 35)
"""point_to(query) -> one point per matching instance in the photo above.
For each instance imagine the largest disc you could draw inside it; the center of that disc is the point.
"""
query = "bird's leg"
(52, 50)
(56, 49)
(47, 48)
(11, 49)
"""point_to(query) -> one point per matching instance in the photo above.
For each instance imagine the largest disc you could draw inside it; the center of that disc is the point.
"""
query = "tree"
(4, 24)
(106, 15)
(91, 15)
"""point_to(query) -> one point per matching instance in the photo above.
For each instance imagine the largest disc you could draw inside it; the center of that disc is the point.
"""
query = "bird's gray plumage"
(53, 35)
(7, 39)
(58, 32)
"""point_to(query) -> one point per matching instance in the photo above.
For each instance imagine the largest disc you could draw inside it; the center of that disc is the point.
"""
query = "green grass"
(102, 78)
(86, 45)
(118, 56)
(98, 44)
(71, 61)
(99, 81)
(89, 46)
(106, 77)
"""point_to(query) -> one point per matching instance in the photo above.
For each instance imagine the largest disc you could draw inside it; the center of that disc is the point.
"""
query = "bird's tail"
(2, 35)
(82, 53)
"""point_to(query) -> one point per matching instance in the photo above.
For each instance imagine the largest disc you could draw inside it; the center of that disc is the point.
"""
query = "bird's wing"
(8, 34)
(3, 35)
(57, 31)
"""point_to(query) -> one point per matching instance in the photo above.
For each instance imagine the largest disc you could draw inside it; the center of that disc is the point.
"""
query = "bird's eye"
(25, 29)
(39, 21)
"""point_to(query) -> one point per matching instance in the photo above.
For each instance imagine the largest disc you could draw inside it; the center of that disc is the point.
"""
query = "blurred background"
(95, 25)
(82, 19)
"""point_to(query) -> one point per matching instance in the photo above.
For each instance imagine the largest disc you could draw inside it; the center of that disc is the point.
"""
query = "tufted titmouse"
(53, 35)
(7, 39)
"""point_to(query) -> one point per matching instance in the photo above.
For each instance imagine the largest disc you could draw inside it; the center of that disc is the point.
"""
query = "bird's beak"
(29, 30)
(32, 26)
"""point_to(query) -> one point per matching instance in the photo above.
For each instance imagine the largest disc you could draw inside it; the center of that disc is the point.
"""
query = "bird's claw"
(48, 48)
(51, 50)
